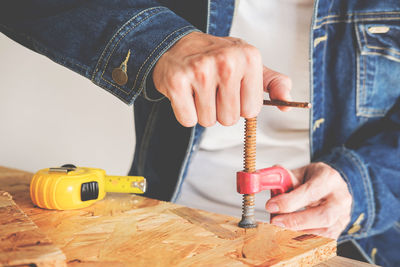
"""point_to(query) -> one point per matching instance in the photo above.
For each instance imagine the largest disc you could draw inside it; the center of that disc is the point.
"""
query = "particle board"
(21, 241)
(129, 230)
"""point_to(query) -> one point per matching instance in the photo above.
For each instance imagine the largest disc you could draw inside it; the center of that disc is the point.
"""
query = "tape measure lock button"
(89, 191)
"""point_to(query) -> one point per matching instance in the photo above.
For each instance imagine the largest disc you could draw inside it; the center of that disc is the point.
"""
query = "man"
(146, 52)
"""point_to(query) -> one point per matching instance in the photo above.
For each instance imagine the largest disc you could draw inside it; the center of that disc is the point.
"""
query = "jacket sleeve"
(370, 164)
(95, 37)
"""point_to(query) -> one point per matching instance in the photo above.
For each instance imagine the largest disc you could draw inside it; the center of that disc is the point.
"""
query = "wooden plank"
(343, 262)
(21, 240)
(128, 230)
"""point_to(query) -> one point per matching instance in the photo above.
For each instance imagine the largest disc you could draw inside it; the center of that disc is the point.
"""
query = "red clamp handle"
(276, 179)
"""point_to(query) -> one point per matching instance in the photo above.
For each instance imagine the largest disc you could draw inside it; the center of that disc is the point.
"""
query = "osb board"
(344, 262)
(128, 230)
(21, 241)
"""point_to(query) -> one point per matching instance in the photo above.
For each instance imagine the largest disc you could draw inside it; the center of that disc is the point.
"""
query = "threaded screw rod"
(248, 220)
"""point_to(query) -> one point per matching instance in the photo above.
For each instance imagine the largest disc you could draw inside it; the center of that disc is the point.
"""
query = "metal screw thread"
(248, 208)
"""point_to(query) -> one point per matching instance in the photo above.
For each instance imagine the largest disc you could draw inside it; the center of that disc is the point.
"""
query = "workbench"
(129, 230)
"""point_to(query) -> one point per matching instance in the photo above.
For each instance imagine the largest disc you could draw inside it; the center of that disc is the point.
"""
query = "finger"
(228, 94)
(297, 176)
(204, 87)
(277, 85)
(322, 216)
(184, 109)
(228, 103)
(251, 92)
(302, 196)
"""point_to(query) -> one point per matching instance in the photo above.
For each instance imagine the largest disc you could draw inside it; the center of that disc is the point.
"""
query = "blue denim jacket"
(355, 85)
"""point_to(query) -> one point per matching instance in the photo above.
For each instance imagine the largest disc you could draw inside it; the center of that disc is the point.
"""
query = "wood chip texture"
(129, 230)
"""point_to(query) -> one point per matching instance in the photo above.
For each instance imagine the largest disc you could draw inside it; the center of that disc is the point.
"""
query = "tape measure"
(70, 187)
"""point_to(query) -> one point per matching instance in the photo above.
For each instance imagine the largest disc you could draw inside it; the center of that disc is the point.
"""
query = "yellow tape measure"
(69, 187)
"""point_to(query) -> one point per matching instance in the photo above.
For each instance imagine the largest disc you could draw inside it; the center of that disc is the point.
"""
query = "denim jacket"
(355, 87)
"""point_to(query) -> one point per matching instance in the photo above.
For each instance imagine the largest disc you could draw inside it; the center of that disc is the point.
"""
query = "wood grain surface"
(21, 241)
(128, 230)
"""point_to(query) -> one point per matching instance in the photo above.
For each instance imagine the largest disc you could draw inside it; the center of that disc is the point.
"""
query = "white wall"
(50, 115)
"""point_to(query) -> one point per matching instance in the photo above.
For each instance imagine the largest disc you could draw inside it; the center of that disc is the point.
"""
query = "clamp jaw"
(276, 179)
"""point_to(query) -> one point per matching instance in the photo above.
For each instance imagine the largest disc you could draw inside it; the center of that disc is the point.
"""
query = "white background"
(50, 115)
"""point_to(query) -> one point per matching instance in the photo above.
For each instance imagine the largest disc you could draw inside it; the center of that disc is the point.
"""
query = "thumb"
(274, 205)
(277, 85)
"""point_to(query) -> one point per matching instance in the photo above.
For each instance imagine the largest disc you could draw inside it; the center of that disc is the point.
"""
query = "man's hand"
(319, 204)
(209, 79)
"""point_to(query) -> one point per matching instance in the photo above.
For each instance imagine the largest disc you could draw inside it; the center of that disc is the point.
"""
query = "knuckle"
(201, 68)
(226, 66)
(176, 80)
(252, 54)
(237, 41)
(201, 63)
(294, 222)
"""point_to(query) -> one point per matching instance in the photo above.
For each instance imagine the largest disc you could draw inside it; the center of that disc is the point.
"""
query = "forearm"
(93, 38)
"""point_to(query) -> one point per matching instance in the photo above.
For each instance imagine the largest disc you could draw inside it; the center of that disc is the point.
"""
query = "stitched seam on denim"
(139, 71)
(357, 77)
(382, 55)
(367, 186)
(113, 93)
(358, 14)
(382, 48)
(363, 111)
(376, 47)
(115, 35)
(58, 58)
(152, 52)
(360, 91)
(43, 49)
(116, 45)
(140, 67)
(153, 63)
(311, 76)
(373, 111)
(349, 15)
(356, 20)
(146, 138)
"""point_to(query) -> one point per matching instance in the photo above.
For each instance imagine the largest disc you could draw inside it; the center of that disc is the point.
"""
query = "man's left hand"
(320, 203)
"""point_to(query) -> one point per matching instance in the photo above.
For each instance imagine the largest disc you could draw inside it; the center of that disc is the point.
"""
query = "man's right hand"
(209, 79)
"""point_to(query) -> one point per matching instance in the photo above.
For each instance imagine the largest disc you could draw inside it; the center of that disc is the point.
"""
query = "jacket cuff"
(355, 173)
(133, 51)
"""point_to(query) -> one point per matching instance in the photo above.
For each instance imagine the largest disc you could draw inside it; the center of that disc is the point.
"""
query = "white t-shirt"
(280, 29)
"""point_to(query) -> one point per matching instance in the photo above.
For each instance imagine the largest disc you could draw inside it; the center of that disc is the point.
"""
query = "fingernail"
(272, 207)
(278, 223)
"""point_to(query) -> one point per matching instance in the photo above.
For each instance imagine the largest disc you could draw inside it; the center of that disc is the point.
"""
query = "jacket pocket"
(378, 67)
